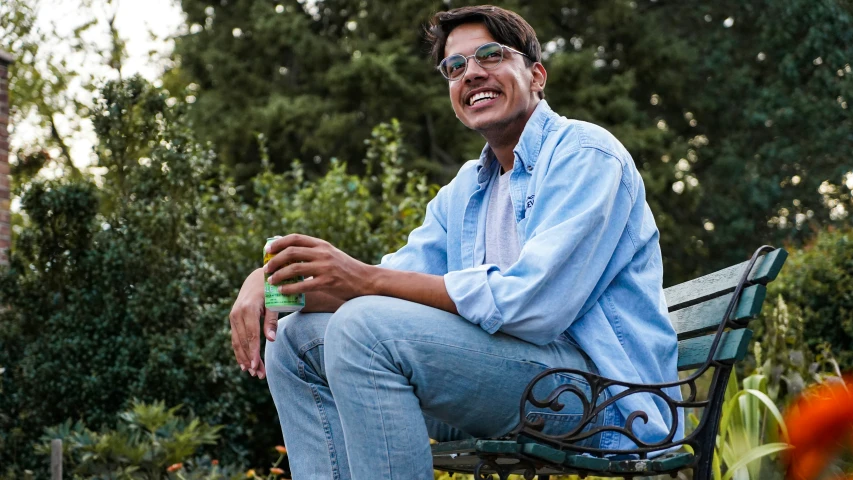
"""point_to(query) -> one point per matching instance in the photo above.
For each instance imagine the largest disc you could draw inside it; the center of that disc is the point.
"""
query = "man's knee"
(296, 334)
(366, 320)
(355, 330)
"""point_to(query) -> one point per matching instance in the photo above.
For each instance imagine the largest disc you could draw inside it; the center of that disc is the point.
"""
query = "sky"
(145, 25)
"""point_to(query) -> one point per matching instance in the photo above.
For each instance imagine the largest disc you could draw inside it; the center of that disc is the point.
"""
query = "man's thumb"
(270, 324)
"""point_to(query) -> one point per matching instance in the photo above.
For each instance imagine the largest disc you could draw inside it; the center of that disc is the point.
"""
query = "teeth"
(482, 96)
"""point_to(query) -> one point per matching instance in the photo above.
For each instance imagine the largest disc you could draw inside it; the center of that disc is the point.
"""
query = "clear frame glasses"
(488, 56)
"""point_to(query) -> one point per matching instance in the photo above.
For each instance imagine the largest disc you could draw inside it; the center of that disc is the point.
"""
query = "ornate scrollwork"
(593, 406)
(503, 471)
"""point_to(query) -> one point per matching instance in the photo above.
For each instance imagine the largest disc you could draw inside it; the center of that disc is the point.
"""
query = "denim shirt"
(590, 263)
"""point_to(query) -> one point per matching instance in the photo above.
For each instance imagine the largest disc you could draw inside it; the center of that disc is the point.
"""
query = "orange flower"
(276, 471)
(250, 474)
(175, 467)
(214, 462)
(280, 449)
(819, 423)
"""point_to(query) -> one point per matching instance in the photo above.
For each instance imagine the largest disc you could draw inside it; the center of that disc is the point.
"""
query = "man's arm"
(334, 274)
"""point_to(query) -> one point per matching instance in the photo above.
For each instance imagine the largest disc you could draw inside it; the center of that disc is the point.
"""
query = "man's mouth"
(483, 97)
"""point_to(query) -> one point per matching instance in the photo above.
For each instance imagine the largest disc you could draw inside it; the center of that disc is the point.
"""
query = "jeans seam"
(521, 360)
(379, 405)
(327, 430)
(308, 346)
(609, 439)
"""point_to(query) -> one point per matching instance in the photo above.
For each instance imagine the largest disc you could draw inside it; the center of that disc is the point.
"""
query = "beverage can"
(275, 300)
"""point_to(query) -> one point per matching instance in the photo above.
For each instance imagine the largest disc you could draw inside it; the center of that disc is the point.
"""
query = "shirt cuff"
(470, 291)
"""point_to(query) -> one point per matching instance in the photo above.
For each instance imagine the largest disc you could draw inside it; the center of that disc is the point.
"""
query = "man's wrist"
(375, 280)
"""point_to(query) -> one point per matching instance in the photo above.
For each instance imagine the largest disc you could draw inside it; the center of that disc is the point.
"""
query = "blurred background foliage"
(326, 118)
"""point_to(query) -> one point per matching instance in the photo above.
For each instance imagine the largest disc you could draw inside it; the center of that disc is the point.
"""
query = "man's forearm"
(412, 286)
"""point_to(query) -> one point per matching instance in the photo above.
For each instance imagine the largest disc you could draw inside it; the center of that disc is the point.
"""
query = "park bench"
(706, 343)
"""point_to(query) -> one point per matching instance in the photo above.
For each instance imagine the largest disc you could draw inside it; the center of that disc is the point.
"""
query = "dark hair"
(505, 26)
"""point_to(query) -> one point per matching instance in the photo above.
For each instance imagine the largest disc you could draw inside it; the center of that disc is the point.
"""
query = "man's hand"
(342, 277)
(333, 271)
(245, 325)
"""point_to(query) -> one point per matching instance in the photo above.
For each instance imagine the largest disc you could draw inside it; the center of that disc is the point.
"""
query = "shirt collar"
(528, 146)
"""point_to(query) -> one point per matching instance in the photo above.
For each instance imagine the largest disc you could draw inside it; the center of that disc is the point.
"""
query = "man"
(542, 253)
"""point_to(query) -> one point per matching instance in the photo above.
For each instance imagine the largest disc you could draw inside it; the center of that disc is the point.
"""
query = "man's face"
(512, 82)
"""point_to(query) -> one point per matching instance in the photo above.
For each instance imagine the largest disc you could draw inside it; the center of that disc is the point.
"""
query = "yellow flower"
(250, 474)
(276, 471)
(280, 449)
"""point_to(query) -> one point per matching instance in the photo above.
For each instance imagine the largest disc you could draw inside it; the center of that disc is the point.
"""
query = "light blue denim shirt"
(590, 262)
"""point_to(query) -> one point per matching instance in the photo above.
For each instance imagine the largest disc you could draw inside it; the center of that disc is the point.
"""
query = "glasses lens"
(453, 66)
(489, 55)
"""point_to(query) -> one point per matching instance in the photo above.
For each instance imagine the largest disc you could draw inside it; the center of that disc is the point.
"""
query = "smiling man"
(541, 253)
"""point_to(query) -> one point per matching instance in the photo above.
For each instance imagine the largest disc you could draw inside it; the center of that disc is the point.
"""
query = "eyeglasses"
(488, 56)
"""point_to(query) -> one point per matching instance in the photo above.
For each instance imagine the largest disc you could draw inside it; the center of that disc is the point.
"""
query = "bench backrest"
(696, 309)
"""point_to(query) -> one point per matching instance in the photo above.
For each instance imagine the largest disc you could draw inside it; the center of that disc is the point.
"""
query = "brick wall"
(5, 238)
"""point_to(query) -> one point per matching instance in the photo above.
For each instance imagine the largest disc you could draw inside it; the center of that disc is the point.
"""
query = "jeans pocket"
(569, 418)
(563, 423)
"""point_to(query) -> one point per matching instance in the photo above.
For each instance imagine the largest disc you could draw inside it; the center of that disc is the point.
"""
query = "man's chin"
(486, 124)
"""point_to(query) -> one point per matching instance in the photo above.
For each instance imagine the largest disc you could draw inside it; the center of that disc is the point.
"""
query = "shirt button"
(530, 168)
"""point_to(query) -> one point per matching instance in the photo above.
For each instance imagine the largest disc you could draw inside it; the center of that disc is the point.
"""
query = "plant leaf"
(755, 454)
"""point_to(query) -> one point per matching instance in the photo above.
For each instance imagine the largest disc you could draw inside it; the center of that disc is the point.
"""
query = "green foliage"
(148, 439)
(751, 429)
(782, 353)
(48, 86)
(111, 296)
(816, 285)
(365, 216)
(130, 279)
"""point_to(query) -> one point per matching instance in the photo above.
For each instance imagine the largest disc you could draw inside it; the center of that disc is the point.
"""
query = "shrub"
(816, 284)
(120, 289)
(148, 442)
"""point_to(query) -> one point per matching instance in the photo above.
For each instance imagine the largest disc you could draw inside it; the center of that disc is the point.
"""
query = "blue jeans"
(360, 392)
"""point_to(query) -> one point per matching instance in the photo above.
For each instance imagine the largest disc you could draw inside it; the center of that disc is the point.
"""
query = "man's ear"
(540, 76)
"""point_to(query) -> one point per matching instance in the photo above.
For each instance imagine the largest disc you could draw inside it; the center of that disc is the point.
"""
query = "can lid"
(273, 238)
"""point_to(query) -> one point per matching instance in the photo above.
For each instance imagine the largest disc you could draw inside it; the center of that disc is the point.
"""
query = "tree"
(47, 88)
(714, 111)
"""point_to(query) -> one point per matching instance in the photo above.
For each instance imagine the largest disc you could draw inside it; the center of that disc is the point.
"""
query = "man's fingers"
(293, 240)
(254, 343)
(306, 286)
(291, 255)
(297, 269)
(238, 325)
(270, 324)
(260, 368)
(238, 349)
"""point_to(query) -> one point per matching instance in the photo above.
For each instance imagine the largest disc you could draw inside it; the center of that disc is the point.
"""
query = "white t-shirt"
(502, 247)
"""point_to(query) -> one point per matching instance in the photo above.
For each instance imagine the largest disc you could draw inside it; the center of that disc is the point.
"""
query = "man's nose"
(474, 71)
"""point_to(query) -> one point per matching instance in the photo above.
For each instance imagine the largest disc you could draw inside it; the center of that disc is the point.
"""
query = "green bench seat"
(697, 309)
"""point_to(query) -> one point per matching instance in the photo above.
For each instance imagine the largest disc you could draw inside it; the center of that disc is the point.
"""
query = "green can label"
(273, 299)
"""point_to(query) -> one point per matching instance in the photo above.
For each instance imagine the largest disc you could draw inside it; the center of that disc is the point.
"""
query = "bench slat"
(693, 352)
(706, 316)
(724, 281)
(457, 446)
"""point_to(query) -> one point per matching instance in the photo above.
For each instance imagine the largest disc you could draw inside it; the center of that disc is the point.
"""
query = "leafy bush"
(782, 354)
(120, 289)
(816, 284)
(149, 442)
